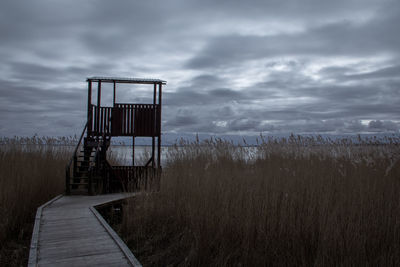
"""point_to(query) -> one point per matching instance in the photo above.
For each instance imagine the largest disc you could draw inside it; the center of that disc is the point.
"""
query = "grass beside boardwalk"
(296, 202)
(32, 171)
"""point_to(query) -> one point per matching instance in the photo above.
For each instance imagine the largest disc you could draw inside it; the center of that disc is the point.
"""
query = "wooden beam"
(154, 127)
(114, 95)
(159, 121)
(133, 151)
(89, 114)
(98, 105)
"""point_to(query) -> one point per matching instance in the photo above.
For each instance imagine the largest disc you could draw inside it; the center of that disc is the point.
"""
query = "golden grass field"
(32, 171)
(295, 202)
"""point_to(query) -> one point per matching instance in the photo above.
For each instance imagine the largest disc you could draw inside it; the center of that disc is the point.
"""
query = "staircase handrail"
(73, 159)
(99, 146)
(77, 146)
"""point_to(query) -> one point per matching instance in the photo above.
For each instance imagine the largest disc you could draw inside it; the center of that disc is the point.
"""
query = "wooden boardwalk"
(70, 232)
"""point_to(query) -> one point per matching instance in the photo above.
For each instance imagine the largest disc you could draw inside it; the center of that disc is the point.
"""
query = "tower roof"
(125, 80)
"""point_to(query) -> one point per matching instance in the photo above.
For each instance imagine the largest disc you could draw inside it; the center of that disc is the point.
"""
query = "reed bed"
(32, 171)
(289, 202)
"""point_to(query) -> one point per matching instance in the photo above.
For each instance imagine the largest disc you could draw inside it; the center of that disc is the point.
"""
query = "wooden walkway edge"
(69, 231)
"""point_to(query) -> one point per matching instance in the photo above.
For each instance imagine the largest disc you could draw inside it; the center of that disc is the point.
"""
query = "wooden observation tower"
(89, 171)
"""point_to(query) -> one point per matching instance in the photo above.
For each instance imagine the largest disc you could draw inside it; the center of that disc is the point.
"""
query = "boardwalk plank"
(71, 235)
(81, 239)
(108, 259)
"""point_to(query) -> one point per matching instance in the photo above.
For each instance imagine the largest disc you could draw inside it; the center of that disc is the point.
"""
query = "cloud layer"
(233, 67)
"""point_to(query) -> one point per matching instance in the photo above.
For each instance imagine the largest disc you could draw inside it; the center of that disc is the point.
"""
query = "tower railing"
(125, 120)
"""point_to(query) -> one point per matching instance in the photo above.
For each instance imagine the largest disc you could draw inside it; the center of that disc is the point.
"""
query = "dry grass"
(295, 202)
(32, 171)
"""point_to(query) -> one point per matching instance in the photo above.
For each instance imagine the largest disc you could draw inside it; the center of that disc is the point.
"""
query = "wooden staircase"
(79, 182)
(89, 172)
(84, 171)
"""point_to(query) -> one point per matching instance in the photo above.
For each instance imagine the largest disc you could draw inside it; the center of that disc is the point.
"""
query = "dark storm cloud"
(24, 95)
(183, 117)
(185, 97)
(389, 72)
(231, 66)
(206, 81)
(290, 8)
(34, 71)
(225, 111)
(343, 93)
(333, 109)
(348, 74)
(330, 108)
(29, 109)
(27, 72)
(335, 71)
(383, 126)
(244, 124)
(340, 38)
(225, 93)
(192, 96)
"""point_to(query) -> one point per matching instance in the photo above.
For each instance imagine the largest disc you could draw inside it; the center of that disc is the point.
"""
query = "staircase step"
(79, 192)
(81, 174)
(79, 183)
(81, 178)
(81, 170)
(78, 179)
(84, 163)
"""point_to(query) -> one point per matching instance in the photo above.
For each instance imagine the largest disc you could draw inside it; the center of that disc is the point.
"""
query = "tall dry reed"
(291, 202)
(32, 171)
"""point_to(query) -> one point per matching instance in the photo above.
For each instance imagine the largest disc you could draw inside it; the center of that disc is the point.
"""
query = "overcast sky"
(232, 67)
